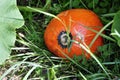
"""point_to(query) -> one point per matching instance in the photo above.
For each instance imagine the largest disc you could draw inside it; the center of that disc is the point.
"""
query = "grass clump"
(31, 60)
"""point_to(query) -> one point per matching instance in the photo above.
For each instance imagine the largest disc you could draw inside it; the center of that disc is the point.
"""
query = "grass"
(31, 60)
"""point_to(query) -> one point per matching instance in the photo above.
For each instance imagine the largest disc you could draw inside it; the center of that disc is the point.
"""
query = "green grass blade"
(83, 4)
(29, 73)
(43, 12)
(108, 15)
(83, 76)
(16, 65)
(74, 62)
(107, 25)
(86, 48)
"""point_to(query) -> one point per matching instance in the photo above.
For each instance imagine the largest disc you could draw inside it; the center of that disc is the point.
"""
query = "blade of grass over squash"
(86, 48)
(68, 32)
(103, 35)
(100, 32)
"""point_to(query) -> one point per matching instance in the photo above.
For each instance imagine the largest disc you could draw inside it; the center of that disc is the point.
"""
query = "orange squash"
(74, 24)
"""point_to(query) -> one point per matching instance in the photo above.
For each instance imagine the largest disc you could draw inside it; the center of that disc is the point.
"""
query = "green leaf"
(116, 27)
(10, 19)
